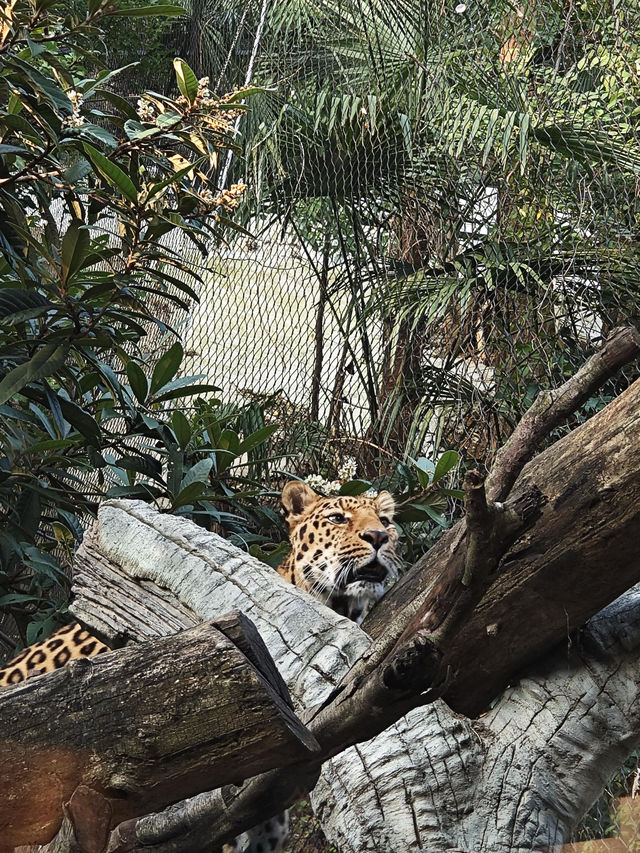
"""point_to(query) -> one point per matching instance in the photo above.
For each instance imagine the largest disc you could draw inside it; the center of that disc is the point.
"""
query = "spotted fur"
(69, 643)
(343, 551)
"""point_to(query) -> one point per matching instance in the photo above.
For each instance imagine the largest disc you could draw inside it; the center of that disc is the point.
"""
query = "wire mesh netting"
(441, 220)
(441, 210)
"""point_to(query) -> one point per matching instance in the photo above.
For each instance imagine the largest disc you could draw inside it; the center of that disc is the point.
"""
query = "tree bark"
(553, 578)
(143, 726)
(519, 778)
(495, 594)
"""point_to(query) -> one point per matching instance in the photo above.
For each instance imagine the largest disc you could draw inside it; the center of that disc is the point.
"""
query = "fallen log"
(143, 726)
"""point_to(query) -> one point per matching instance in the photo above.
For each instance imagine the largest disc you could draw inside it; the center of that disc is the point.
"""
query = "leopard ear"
(296, 497)
(385, 504)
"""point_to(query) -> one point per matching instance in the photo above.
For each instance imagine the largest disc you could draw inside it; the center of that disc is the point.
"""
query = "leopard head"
(343, 549)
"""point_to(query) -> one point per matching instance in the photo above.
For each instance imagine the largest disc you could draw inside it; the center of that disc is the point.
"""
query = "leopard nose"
(377, 538)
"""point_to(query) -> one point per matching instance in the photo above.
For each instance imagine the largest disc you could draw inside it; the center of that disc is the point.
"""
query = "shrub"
(91, 189)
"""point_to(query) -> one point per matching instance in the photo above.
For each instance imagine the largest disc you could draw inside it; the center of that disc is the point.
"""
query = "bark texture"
(519, 778)
(553, 578)
(175, 714)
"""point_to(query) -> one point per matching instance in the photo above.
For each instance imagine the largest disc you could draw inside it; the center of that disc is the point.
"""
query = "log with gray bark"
(463, 622)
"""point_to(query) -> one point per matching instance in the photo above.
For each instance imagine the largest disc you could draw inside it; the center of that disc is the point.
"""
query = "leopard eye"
(337, 518)
(385, 521)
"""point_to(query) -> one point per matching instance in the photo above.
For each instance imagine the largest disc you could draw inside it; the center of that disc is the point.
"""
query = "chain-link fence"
(441, 219)
(441, 210)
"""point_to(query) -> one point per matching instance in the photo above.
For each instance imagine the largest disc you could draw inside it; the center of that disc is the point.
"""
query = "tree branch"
(551, 408)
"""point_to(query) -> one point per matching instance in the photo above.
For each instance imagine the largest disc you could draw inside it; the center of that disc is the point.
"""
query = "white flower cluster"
(75, 119)
(145, 110)
(204, 95)
(326, 487)
(346, 472)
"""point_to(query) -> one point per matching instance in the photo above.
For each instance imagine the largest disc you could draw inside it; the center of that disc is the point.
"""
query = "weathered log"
(553, 578)
(234, 579)
(144, 726)
(141, 573)
(515, 781)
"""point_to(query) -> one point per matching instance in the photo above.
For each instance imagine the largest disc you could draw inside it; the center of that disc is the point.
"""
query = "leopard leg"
(267, 837)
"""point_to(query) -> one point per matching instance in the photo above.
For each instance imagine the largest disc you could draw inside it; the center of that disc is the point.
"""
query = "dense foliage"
(463, 178)
(94, 193)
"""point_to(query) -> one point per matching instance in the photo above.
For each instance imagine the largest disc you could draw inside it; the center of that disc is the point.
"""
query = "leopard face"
(343, 549)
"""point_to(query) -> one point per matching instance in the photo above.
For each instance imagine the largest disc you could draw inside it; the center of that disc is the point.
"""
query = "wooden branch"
(525, 611)
(552, 579)
(145, 726)
(551, 408)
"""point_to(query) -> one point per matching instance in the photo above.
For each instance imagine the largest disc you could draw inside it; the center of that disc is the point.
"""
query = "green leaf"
(12, 149)
(191, 493)
(453, 493)
(112, 173)
(272, 556)
(168, 119)
(81, 420)
(118, 102)
(198, 473)
(244, 93)
(137, 130)
(36, 49)
(421, 512)
(166, 367)
(75, 246)
(100, 133)
(77, 172)
(45, 362)
(425, 469)
(44, 86)
(138, 381)
(256, 438)
(51, 444)
(187, 80)
(142, 463)
(229, 441)
(447, 461)
(355, 487)
(188, 391)
(17, 305)
(182, 429)
(18, 598)
(172, 179)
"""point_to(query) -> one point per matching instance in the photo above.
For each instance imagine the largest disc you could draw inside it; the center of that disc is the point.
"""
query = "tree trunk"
(495, 594)
(144, 726)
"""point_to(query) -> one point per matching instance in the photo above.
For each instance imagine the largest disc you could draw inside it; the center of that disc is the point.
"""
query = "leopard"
(343, 553)
(70, 642)
(343, 548)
